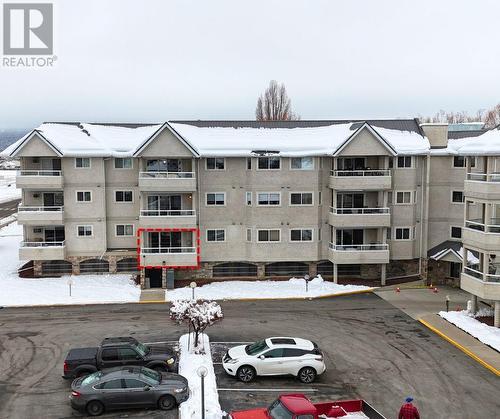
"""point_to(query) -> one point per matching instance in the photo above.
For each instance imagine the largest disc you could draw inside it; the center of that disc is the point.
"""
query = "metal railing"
(23, 208)
(370, 172)
(167, 213)
(481, 275)
(359, 247)
(166, 175)
(484, 177)
(43, 244)
(39, 173)
(479, 225)
(349, 211)
(161, 249)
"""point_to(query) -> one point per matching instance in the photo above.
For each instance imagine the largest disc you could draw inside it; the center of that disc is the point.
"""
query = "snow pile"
(484, 144)
(294, 287)
(88, 289)
(189, 362)
(487, 334)
(8, 190)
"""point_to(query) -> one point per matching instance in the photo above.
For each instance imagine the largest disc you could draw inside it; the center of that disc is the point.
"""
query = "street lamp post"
(70, 283)
(447, 303)
(306, 278)
(202, 372)
(192, 285)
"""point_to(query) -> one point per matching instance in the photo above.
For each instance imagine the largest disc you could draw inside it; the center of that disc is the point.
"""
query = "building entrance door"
(154, 276)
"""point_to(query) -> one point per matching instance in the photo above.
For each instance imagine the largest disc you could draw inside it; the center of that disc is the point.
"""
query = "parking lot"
(372, 350)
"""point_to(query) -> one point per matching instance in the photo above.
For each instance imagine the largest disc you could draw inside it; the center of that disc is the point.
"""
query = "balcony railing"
(492, 227)
(349, 211)
(39, 173)
(162, 250)
(376, 172)
(359, 247)
(167, 213)
(23, 208)
(43, 244)
(166, 175)
(484, 177)
(482, 276)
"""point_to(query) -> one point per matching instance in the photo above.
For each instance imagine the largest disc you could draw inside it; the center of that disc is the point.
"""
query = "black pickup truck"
(117, 352)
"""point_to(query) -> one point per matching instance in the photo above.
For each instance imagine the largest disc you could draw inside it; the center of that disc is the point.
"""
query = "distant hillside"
(7, 137)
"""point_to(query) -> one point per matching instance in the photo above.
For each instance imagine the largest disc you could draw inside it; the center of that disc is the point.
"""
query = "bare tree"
(197, 314)
(492, 117)
(274, 104)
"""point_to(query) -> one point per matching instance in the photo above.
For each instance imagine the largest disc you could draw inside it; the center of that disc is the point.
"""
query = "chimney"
(437, 133)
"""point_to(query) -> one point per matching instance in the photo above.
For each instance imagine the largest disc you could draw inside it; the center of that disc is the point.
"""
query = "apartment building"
(374, 199)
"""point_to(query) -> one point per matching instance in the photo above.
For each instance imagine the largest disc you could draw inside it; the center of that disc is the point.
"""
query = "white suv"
(275, 356)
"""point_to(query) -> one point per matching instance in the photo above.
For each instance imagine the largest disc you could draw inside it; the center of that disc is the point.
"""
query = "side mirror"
(147, 388)
(262, 357)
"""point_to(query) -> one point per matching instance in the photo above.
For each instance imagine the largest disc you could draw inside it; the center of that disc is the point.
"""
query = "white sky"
(155, 60)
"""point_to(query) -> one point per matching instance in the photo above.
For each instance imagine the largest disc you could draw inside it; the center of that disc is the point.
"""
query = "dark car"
(128, 388)
(118, 352)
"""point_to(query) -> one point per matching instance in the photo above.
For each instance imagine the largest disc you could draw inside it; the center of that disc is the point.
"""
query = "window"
(127, 353)
(111, 385)
(404, 162)
(268, 198)
(124, 229)
(389, 198)
(216, 198)
(402, 233)
(403, 197)
(216, 235)
(274, 353)
(109, 354)
(215, 163)
(123, 163)
(83, 196)
(457, 197)
(268, 235)
(249, 198)
(301, 198)
(301, 163)
(391, 163)
(301, 235)
(133, 383)
(458, 161)
(269, 163)
(389, 234)
(249, 163)
(249, 234)
(319, 234)
(84, 231)
(456, 232)
(124, 196)
(82, 162)
(472, 161)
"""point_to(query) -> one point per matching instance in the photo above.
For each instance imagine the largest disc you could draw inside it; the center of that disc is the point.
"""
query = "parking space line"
(271, 390)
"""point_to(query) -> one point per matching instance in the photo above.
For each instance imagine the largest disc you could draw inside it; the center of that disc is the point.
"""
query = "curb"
(462, 348)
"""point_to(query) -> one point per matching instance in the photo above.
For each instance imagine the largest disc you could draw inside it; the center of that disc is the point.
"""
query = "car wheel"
(307, 375)
(245, 373)
(95, 408)
(166, 402)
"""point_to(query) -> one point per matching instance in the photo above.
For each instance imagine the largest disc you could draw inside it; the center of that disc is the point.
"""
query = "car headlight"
(231, 361)
(180, 390)
(170, 361)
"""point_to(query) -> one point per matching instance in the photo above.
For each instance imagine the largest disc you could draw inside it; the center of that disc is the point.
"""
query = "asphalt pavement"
(8, 208)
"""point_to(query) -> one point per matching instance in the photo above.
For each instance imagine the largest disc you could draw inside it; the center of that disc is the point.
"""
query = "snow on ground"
(188, 365)
(15, 291)
(487, 334)
(8, 190)
(294, 287)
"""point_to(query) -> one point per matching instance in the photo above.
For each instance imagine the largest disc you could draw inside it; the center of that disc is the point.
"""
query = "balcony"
(359, 253)
(360, 179)
(42, 250)
(482, 185)
(359, 217)
(34, 179)
(167, 218)
(485, 286)
(167, 181)
(28, 215)
(169, 256)
(479, 235)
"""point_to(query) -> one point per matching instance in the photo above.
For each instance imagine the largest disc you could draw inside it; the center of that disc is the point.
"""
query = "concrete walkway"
(152, 294)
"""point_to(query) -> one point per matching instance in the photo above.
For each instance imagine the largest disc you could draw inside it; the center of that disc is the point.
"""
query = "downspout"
(424, 211)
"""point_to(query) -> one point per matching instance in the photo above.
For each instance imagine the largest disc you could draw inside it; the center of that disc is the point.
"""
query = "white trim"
(215, 161)
(83, 158)
(451, 197)
(215, 229)
(123, 190)
(395, 197)
(29, 137)
(410, 233)
(300, 192)
(268, 157)
(83, 202)
(123, 158)
(458, 167)
(124, 235)
(303, 157)
(266, 192)
(268, 230)
(382, 140)
(85, 225)
(461, 232)
(301, 229)
(215, 205)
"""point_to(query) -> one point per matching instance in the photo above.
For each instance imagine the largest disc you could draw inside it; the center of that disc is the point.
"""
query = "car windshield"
(92, 378)
(151, 377)
(141, 348)
(278, 411)
(256, 348)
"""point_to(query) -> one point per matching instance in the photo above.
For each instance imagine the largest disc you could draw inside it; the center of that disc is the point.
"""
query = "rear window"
(92, 378)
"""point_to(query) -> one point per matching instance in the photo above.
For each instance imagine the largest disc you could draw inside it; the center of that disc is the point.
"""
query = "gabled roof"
(27, 138)
(444, 248)
(367, 126)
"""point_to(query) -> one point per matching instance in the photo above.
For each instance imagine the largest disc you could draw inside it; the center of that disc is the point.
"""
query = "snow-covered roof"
(106, 140)
(487, 143)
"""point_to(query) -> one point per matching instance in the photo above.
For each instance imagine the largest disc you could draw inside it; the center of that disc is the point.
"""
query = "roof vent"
(265, 152)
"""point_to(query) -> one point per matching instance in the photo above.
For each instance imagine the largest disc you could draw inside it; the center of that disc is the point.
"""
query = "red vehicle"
(298, 406)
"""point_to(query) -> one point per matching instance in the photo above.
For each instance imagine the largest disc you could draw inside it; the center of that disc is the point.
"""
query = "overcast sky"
(156, 60)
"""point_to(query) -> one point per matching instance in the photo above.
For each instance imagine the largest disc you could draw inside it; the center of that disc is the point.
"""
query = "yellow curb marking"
(462, 348)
